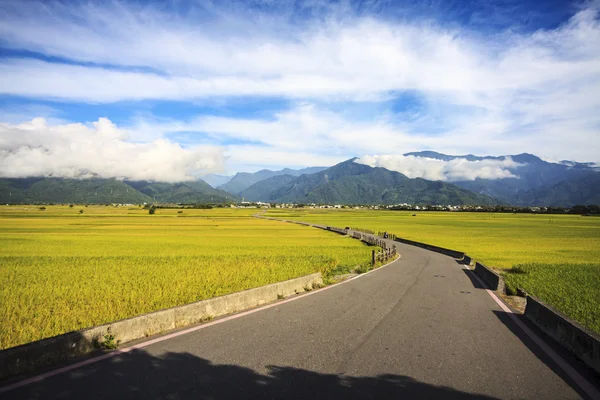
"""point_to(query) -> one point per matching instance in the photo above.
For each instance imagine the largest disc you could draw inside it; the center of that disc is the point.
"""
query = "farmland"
(561, 252)
(571, 288)
(62, 269)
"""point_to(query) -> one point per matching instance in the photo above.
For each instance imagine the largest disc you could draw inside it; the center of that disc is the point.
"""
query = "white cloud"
(458, 169)
(101, 150)
(324, 137)
(359, 58)
(302, 135)
(507, 93)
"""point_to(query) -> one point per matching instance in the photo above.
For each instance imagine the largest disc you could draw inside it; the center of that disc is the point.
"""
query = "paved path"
(416, 329)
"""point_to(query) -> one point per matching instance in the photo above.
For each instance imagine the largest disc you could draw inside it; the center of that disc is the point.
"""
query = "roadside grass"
(573, 289)
(559, 253)
(61, 271)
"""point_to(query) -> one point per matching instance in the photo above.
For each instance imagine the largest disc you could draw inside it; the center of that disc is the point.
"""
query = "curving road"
(421, 327)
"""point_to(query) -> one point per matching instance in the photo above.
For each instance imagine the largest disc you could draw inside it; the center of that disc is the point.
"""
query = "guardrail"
(374, 241)
(383, 256)
(337, 230)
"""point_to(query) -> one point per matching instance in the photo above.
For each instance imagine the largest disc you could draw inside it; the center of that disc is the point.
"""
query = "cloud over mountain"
(102, 150)
(458, 169)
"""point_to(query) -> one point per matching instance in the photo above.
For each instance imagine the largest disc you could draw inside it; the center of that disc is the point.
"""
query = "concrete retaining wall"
(29, 356)
(493, 280)
(582, 343)
(452, 253)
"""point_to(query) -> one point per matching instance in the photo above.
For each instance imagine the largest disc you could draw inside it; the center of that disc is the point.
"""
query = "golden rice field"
(498, 240)
(554, 257)
(61, 270)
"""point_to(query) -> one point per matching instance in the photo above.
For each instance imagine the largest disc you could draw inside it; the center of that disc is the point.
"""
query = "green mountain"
(584, 190)
(182, 192)
(61, 190)
(101, 191)
(352, 183)
(13, 190)
(243, 180)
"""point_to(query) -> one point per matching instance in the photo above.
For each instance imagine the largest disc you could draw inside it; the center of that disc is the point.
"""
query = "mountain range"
(102, 191)
(533, 181)
(353, 183)
(538, 182)
(243, 180)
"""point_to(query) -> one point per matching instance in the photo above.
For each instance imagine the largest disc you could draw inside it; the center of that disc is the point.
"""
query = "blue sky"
(173, 90)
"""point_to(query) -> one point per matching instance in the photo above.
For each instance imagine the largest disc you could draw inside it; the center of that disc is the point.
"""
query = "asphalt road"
(420, 328)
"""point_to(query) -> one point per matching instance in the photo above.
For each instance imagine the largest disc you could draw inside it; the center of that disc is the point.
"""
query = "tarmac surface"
(421, 327)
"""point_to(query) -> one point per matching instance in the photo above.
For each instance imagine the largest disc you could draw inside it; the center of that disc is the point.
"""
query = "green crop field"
(562, 252)
(62, 270)
(571, 288)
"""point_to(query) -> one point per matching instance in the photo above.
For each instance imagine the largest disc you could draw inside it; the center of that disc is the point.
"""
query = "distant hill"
(243, 180)
(262, 190)
(183, 192)
(98, 191)
(216, 180)
(353, 183)
(584, 190)
(535, 175)
(61, 190)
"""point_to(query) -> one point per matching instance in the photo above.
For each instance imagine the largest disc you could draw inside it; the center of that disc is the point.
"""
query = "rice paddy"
(573, 289)
(63, 270)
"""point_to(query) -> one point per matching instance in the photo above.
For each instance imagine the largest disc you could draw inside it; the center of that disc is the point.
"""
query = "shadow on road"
(471, 275)
(512, 326)
(590, 376)
(185, 376)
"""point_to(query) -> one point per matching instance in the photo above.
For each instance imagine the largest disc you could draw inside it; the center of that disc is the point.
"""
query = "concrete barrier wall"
(582, 343)
(29, 356)
(492, 279)
(452, 253)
